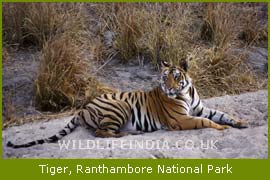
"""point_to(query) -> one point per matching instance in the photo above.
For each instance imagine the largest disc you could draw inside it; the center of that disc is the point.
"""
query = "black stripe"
(197, 104)
(123, 111)
(151, 120)
(192, 95)
(73, 121)
(106, 124)
(108, 103)
(112, 118)
(145, 125)
(202, 123)
(63, 132)
(181, 105)
(110, 110)
(133, 98)
(81, 114)
(126, 100)
(182, 99)
(92, 116)
(139, 113)
(41, 141)
(105, 96)
(119, 107)
(121, 95)
(138, 127)
(178, 112)
(91, 110)
(162, 106)
(211, 115)
(200, 113)
(132, 116)
(129, 95)
(68, 127)
(220, 119)
(53, 138)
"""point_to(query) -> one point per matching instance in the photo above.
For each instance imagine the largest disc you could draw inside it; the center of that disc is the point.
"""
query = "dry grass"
(13, 20)
(29, 23)
(63, 80)
(165, 35)
(220, 23)
(72, 35)
(217, 72)
(35, 23)
(253, 31)
(61, 74)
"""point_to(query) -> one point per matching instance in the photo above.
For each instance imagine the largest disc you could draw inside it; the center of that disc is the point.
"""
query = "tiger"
(174, 105)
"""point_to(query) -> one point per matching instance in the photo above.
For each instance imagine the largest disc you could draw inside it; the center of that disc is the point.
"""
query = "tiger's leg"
(190, 122)
(109, 114)
(110, 127)
(222, 118)
(217, 116)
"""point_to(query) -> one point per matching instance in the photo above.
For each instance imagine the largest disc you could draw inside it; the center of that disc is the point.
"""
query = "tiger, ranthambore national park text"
(173, 105)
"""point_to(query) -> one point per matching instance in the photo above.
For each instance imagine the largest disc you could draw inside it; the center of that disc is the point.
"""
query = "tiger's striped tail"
(73, 124)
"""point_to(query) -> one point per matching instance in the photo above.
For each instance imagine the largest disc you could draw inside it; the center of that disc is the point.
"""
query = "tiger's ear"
(184, 64)
(165, 64)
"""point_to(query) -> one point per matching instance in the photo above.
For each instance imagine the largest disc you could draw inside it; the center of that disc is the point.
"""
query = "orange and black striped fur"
(174, 105)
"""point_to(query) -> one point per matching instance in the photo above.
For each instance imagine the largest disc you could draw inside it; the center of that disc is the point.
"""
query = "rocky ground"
(251, 142)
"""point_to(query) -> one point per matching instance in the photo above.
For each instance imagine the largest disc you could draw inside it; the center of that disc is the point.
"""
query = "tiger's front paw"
(241, 124)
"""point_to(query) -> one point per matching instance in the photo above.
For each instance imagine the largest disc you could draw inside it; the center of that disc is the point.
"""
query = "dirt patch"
(230, 143)
(19, 73)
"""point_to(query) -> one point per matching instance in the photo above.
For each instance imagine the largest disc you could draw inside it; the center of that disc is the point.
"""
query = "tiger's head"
(174, 80)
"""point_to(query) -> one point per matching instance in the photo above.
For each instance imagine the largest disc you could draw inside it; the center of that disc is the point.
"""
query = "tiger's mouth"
(171, 93)
(173, 96)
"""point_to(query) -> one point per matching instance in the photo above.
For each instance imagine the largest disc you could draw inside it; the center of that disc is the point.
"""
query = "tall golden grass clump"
(152, 30)
(36, 23)
(252, 30)
(30, 23)
(62, 74)
(127, 23)
(13, 20)
(63, 80)
(216, 72)
(220, 23)
(167, 33)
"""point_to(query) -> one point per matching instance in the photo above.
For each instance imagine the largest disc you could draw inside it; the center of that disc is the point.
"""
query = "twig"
(103, 65)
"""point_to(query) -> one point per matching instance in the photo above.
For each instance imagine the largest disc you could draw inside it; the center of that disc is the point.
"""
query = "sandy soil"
(18, 81)
(204, 143)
